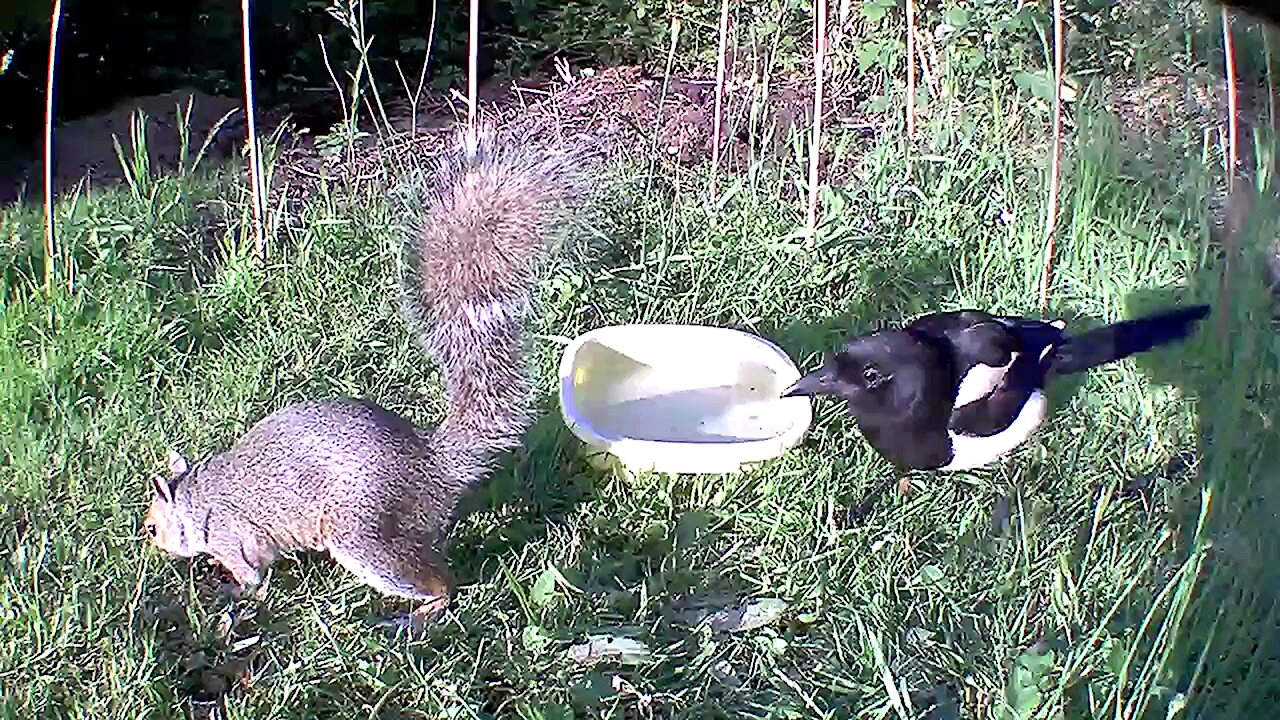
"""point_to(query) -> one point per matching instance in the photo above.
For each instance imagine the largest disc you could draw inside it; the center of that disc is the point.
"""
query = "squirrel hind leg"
(398, 569)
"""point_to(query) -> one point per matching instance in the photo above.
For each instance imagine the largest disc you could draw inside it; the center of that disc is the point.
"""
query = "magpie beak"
(819, 382)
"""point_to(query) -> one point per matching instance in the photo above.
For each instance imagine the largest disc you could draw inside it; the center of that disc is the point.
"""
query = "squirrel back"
(355, 479)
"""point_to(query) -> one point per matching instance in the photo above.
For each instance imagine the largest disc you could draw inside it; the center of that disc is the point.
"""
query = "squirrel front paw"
(255, 590)
(245, 579)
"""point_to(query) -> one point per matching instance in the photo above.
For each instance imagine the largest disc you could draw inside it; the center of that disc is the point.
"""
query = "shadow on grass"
(203, 671)
(1228, 367)
(529, 490)
(540, 487)
(1230, 373)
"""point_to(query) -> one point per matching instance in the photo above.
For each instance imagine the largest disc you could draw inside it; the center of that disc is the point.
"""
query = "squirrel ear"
(177, 464)
(163, 490)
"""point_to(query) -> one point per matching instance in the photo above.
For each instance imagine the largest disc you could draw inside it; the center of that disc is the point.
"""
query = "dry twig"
(50, 245)
(815, 141)
(255, 157)
(718, 117)
(1055, 166)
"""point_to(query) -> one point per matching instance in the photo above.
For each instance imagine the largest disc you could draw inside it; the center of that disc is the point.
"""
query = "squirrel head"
(166, 524)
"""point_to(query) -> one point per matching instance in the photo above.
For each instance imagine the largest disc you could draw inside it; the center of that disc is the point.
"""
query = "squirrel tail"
(475, 226)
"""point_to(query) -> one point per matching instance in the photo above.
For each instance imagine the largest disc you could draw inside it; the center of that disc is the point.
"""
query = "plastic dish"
(680, 398)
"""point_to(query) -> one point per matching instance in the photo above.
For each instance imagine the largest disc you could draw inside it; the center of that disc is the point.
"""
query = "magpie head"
(822, 381)
(873, 372)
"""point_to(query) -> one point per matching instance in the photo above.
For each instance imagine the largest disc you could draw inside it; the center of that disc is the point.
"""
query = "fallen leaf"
(544, 588)
(610, 648)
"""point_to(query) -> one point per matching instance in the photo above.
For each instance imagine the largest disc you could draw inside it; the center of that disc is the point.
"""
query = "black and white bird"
(959, 390)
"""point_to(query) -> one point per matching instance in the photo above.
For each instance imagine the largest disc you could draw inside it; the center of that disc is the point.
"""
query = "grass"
(1118, 567)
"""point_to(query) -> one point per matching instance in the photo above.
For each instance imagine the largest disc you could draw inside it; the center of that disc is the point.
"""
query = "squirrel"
(349, 477)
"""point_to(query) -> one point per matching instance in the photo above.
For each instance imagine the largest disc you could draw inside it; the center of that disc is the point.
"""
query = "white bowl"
(680, 398)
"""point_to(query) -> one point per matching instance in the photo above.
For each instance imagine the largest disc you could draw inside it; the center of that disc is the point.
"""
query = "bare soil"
(622, 110)
(85, 150)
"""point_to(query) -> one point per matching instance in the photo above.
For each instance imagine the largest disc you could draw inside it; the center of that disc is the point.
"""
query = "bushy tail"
(1129, 337)
(475, 227)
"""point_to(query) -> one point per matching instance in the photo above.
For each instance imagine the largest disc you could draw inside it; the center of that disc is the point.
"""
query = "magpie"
(958, 390)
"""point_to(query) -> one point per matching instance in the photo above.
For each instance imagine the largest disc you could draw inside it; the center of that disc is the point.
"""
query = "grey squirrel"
(354, 479)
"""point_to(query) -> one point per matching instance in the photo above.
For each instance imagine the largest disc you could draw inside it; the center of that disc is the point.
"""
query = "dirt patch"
(202, 664)
(84, 149)
(622, 110)
(1151, 111)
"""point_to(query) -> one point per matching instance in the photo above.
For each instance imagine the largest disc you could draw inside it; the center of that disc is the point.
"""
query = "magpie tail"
(1129, 337)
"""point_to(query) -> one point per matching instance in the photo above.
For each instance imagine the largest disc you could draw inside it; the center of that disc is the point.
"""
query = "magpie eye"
(871, 375)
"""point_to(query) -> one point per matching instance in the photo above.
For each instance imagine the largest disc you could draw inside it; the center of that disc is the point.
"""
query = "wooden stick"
(255, 159)
(473, 73)
(50, 244)
(1055, 161)
(718, 119)
(815, 141)
(911, 69)
(1229, 56)
(1269, 56)
(1233, 147)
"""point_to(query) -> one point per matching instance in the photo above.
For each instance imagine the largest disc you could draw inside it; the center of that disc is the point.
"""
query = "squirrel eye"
(871, 375)
(151, 528)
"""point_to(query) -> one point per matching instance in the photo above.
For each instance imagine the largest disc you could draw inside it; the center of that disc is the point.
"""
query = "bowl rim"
(682, 455)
